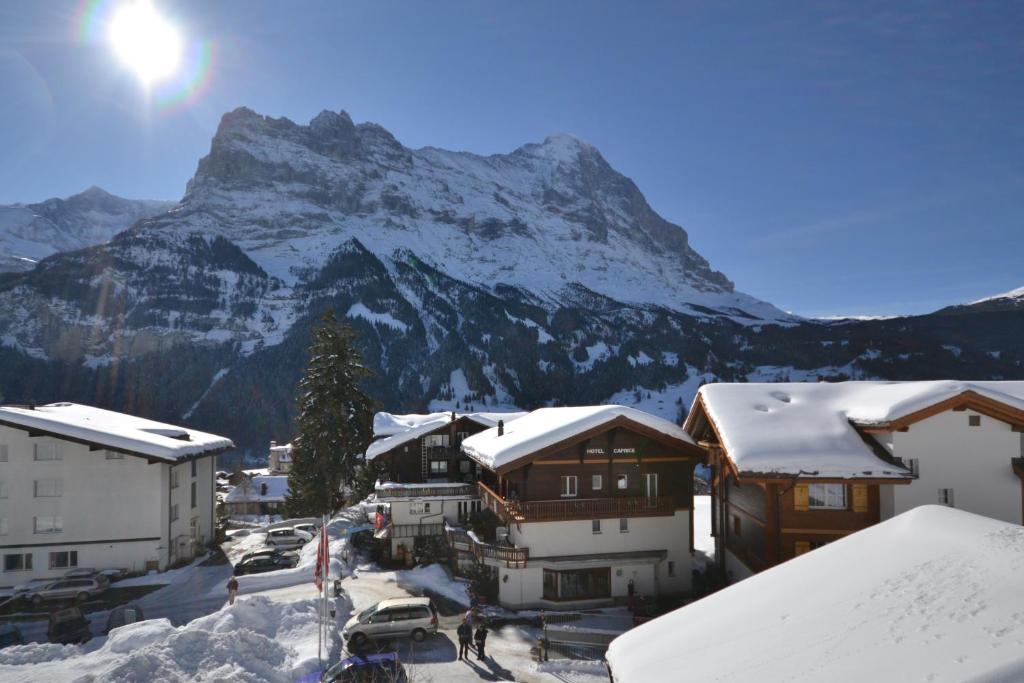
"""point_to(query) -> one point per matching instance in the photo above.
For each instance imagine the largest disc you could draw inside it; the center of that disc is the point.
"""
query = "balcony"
(510, 556)
(566, 509)
(391, 490)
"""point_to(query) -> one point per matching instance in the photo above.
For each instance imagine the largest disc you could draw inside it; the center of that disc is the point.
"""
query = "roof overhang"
(966, 400)
(689, 450)
(99, 446)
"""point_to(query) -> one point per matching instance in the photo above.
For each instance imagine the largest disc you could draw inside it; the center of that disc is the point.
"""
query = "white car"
(397, 618)
(309, 528)
(287, 538)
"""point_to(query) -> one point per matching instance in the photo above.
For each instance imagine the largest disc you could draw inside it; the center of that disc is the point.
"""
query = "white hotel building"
(85, 487)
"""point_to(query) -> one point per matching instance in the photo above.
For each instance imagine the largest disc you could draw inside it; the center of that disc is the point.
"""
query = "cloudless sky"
(832, 158)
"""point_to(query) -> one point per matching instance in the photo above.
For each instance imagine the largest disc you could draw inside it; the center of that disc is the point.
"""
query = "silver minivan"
(66, 589)
(397, 618)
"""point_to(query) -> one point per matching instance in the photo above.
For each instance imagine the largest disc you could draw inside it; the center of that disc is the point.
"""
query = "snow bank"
(932, 594)
(255, 639)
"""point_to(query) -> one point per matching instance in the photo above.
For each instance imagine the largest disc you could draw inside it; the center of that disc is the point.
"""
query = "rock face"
(30, 232)
(526, 278)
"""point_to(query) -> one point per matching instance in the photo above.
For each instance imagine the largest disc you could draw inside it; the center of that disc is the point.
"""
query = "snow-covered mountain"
(535, 277)
(30, 232)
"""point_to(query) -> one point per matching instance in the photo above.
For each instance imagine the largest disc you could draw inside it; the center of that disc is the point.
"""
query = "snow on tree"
(335, 421)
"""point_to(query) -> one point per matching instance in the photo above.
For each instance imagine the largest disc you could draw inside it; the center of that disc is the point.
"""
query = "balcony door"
(651, 486)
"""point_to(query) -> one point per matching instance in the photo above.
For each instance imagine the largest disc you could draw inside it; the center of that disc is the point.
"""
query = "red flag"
(321, 558)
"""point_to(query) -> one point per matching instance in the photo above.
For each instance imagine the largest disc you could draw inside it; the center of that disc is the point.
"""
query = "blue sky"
(832, 158)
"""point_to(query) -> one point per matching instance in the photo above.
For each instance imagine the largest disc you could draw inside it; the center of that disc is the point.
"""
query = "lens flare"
(175, 72)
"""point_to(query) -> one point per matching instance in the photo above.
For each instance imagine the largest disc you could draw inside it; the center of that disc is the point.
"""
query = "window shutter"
(801, 547)
(860, 498)
(800, 499)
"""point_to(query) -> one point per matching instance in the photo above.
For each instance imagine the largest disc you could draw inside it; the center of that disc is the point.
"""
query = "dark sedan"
(262, 563)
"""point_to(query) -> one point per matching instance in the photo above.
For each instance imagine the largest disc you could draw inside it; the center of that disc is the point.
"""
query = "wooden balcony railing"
(575, 508)
(386, 492)
(512, 556)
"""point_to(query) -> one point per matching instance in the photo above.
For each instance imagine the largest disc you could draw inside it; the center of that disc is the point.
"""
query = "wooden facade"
(619, 471)
(421, 460)
(765, 519)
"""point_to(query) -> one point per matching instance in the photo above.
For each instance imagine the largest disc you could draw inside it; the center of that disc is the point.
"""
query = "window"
(18, 562)
(460, 437)
(195, 469)
(826, 496)
(114, 455)
(595, 526)
(974, 420)
(45, 451)
(569, 486)
(419, 508)
(3, 452)
(579, 584)
(651, 484)
(671, 568)
(595, 482)
(623, 525)
(621, 482)
(174, 512)
(946, 497)
(193, 494)
(439, 467)
(736, 525)
(49, 525)
(914, 464)
(814, 545)
(3, 489)
(64, 559)
(48, 488)
(464, 466)
(174, 478)
(3, 526)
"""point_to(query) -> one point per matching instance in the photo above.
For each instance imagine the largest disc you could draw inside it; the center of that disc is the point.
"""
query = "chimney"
(453, 416)
(273, 444)
(263, 489)
(501, 427)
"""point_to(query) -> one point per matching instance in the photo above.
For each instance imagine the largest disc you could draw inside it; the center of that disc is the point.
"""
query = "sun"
(145, 41)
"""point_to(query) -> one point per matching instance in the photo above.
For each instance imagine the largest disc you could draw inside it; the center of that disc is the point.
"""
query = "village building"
(426, 448)
(411, 516)
(594, 505)
(86, 487)
(263, 494)
(798, 465)
(279, 458)
(927, 595)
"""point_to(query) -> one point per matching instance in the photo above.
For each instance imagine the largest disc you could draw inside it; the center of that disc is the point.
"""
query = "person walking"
(232, 590)
(465, 632)
(481, 638)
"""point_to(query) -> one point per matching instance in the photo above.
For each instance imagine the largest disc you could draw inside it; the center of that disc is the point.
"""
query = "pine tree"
(334, 424)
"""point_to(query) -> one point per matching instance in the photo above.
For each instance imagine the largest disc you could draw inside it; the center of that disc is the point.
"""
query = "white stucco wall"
(973, 461)
(122, 502)
(524, 587)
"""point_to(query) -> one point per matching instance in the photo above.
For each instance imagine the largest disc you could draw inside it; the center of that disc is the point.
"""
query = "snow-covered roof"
(115, 431)
(548, 426)
(400, 429)
(925, 595)
(794, 427)
(277, 489)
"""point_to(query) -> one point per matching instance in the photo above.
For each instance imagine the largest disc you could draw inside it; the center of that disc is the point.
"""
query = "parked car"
(86, 573)
(21, 590)
(66, 589)
(237, 533)
(378, 668)
(287, 537)
(10, 635)
(309, 528)
(68, 626)
(122, 615)
(397, 618)
(290, 555)
(263, 563)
